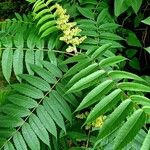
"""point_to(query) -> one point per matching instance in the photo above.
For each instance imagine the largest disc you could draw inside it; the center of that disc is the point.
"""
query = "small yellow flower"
(71, 49)
(99, 121)
(70, 32)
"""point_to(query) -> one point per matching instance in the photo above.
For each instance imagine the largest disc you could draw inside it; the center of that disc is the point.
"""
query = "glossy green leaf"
(19, 142)
(30, 137)
(104, 105)
(36, 81)
(51, 108)
(84, 72)
(110, 36)
(136, 5)
(52, 68)
(47, 25)
(8, 121)
(39, 129)
(100, 51)
(9, 146)
(96, 94)
(14, 110)
(28, 90)
(126, 134)
(142, 100)
(86, 81)
(46, 120)
(41, 13)
(18, 62)
(120, 7)
(62, 106)
(29, 59)
(7, 61)
(146, 109)
(23, 101)
(130, 86)
(86, 12)
(116, 117)
(110, 61)
(146, 21)
(146, 143)
(49, 31)
(116, 74)
(78, 67)
(46, 75)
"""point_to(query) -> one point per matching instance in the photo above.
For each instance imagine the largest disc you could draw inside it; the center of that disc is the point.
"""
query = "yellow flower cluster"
(70, 32)
(98, 122)
(95, 124)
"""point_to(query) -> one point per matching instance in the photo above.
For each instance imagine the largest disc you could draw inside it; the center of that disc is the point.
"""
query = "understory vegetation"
(74, 75)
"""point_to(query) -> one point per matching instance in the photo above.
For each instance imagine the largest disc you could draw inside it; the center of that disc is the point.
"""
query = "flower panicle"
(71, 33)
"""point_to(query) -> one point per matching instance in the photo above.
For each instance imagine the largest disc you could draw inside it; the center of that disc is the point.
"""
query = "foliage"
(70, 85)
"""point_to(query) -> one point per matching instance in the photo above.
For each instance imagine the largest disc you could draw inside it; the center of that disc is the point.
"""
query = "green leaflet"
(6, 132)
(120, 7)
(19, 142)
(9, 146)
(15, 111)
(47, 25)
(30, 137)
(52, 68)
(7, 61)
(75, 58)
(89, 33)
(129, 86)
(46, 75)
(115, 118)
(36, 81)
(41, 13)
(48, 31)
(126, 134)
(68, 97)
(86, 12)
(29, 59)
(108, 26)
(142, 100)
(86, 81)
(39, 55)
(53, 111)
(18, 38)
(110, 36)
(8, 121)
(146, 109)
(136, 5)
(39, 129)
(28, 90)
(84, 72)
(52, 57)
(46, 120)
(116, 74)
(38, 7)
(101, 16)
(110, 61)
(23, 101)
(100, 51)
(104, 105)
(146, 21)
(146, 143)
(79, 66)
(62, 106)
(18, 62)
(37, 3)
(96, 94)
(2, 141)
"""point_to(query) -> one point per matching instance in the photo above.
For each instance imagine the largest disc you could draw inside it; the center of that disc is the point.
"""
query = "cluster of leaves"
(52, 86)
